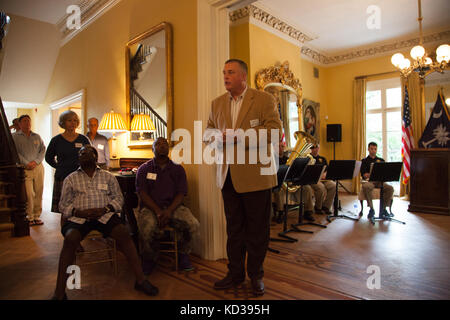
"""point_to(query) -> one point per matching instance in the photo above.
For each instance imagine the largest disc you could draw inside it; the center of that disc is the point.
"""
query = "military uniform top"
(320, 160)
(366, 162)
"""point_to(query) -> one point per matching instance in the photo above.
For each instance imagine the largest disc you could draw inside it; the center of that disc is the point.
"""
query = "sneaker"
(184, 263)
(147, 288)
(371, 213)
(308, 215)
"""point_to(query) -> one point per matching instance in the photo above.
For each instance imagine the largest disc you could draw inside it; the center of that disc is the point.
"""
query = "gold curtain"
(416, 95)
(359, 125)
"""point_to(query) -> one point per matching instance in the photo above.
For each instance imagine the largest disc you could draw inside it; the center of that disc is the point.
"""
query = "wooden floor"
(331, 263)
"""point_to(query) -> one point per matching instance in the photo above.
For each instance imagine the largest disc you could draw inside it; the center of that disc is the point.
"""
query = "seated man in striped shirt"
(91, 199)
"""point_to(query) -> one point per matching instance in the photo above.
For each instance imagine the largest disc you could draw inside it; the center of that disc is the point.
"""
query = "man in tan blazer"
(246, 181)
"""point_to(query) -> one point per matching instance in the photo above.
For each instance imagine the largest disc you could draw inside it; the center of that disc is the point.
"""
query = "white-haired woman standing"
(62, 152)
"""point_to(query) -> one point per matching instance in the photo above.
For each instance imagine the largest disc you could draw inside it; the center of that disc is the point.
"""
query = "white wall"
(28, 62)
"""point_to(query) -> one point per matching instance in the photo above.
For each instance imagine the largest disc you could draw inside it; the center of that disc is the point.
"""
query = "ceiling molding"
(261, 18)
(370, 52)
(91, 10)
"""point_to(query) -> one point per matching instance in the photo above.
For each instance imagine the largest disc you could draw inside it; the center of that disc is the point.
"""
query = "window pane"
(394, 136)
(373, 99)
(293, 126)
(394, 97)
(293, 110)
(374, 131)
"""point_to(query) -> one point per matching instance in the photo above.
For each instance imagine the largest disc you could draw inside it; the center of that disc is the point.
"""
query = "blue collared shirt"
(30, 148)
(100, 143)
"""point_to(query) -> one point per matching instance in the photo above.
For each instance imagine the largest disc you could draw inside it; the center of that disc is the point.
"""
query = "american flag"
(407, 138)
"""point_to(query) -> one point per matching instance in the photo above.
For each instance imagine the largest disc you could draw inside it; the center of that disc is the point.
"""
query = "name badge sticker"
(151, 176)
(100, 146)
(103, 186)
(36, 142)
(78, 145)
(254, 123)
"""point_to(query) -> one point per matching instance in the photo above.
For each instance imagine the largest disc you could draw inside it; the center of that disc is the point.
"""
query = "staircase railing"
(138, 105)
(12, 182)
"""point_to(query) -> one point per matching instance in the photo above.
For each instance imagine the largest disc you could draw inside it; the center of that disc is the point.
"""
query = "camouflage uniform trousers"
(185, 224)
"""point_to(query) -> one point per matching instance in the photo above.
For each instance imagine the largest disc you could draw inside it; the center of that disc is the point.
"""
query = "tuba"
(302, 149)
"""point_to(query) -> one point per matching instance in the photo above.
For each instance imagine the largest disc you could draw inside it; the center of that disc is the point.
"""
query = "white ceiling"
(50, 11)
(340, 25)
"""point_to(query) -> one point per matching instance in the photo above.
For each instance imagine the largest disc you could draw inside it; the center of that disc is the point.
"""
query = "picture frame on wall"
(311, 118)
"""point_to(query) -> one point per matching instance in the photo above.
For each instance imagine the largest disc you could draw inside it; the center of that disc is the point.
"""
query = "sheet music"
(357, 168)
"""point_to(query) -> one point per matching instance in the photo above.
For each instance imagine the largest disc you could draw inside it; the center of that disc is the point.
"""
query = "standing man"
(31, 150)
(367, 186)
(246, 191)
(99, 142)
(325, 190)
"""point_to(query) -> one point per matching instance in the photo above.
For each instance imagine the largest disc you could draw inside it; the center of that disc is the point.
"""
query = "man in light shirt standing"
(99, 142)
(31, 150)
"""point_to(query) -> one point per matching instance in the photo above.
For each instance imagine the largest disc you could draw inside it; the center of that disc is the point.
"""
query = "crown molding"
(252, 11)
(263, 19)
(91, 10)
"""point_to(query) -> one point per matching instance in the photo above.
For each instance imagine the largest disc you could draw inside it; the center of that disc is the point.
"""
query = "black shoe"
(147, 288)
(308, 215)
(227, 282)
(385, 214)
(371, 213)
(318, 211)
(63, 298)
(258, 287)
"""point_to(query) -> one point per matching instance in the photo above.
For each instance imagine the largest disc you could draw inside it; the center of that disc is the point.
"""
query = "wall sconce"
(142, 123)
(112, 122)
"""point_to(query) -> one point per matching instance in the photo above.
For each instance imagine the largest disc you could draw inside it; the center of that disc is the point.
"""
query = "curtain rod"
(374, 75)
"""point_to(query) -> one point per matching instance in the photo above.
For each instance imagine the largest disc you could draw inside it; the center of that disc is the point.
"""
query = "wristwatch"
(109, 208)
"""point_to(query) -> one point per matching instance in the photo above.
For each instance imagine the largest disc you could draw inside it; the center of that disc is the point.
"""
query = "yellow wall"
(94, 60)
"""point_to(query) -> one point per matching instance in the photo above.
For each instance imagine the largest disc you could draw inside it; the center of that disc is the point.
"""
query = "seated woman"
(161, 185)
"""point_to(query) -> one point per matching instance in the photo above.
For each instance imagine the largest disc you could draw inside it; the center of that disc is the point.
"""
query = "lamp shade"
(142, 123)
(112, 122)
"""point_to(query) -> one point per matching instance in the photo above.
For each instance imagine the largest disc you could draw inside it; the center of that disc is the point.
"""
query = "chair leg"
(362, 208)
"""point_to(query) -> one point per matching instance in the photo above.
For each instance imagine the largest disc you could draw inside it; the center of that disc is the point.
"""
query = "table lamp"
(112, 122)
(142, 123)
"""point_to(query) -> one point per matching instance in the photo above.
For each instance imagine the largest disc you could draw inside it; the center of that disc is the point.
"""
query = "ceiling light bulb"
(405, 64)
(443, 51)
(417, 52)
(397, 59)
(447, 101)
(439, 59)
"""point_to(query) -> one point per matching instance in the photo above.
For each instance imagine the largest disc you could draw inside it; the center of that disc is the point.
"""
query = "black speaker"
(334, 132)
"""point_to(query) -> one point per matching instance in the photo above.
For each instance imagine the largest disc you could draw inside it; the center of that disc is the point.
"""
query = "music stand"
(341, 170)
(384, 172)
(294, 171)
(311, 175)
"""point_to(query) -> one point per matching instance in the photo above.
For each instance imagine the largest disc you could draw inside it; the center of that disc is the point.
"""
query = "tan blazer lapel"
(227, 112)
(245, 107)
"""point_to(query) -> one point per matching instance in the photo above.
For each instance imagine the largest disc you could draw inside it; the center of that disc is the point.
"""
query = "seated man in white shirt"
(91, 200)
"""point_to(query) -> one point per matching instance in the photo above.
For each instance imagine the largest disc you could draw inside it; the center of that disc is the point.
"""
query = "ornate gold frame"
(167, 27)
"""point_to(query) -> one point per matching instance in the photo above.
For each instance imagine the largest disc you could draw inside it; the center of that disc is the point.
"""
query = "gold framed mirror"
(287, 90)
(149, 86)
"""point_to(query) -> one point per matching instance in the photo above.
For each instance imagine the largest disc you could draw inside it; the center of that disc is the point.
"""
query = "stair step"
(6, 226)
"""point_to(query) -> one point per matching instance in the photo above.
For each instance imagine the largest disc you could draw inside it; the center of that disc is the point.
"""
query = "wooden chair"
(110, 248)
(170, 240)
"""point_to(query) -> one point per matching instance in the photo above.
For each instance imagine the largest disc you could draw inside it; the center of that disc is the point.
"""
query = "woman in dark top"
(62, 152)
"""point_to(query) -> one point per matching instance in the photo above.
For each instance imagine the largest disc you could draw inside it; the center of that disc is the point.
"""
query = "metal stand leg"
(335, 208)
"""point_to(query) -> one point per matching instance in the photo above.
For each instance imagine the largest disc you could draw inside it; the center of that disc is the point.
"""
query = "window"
(383, 118)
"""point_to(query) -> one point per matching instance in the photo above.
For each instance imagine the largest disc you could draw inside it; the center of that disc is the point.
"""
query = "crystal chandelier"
(422, 64)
